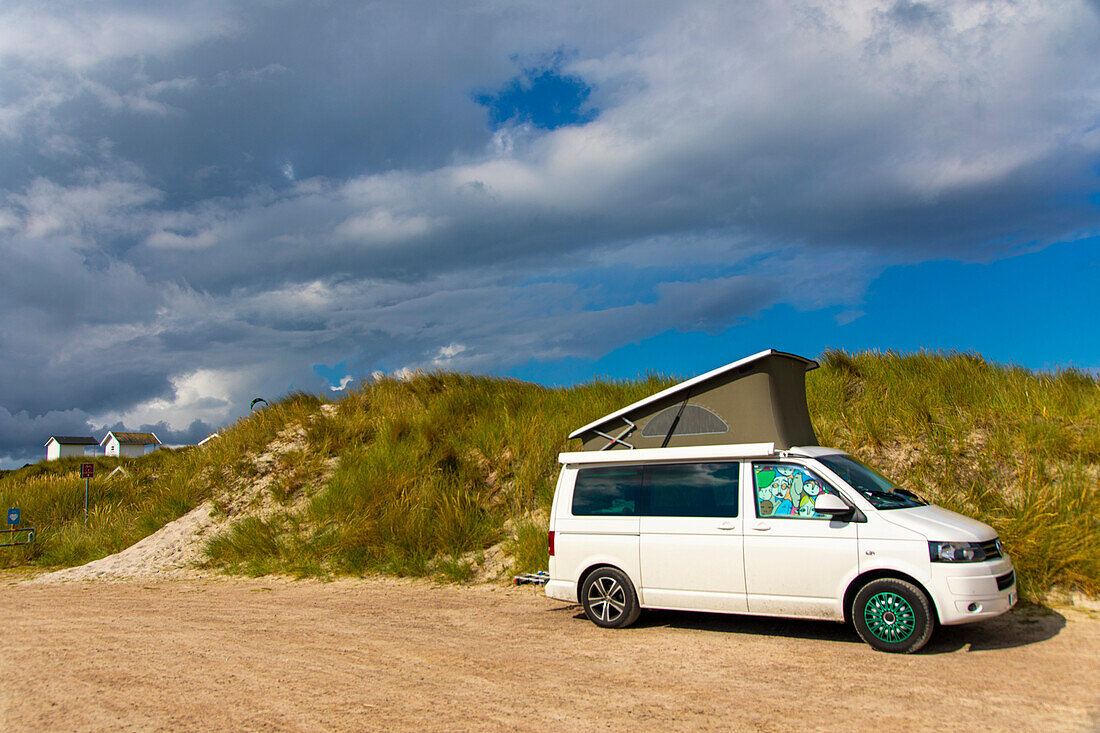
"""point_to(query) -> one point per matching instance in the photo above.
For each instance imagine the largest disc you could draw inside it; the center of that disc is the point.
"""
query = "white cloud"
(381, 226)
(83, 37)
(406, 373)
(55, 55)
(96, 207)
(205, 394)
(343, 384)
(904, 141)
(848, 316)
(252, 75)
(163, 253)
(173, 240)
(447, 354)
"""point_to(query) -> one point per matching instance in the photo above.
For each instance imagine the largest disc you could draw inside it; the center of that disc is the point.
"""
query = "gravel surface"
(382, 654)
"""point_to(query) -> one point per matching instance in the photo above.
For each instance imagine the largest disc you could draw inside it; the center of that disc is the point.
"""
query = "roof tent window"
(695, 420)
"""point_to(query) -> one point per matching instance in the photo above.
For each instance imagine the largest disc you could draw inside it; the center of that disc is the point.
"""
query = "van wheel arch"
(856, 585)
(608, 597)
(588, 571)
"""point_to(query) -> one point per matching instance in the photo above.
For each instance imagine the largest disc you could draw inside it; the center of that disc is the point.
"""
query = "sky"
(206, 202)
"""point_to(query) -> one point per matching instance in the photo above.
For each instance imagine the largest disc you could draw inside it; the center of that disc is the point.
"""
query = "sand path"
(380, 654)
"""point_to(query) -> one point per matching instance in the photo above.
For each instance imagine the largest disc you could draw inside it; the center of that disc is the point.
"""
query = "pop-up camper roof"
(758, 399)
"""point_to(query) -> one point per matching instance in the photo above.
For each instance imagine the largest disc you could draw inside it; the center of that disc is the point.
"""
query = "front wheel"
(609, 599)
(893, 615)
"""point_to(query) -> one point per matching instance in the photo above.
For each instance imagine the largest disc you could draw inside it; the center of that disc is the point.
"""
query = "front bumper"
(966, 592)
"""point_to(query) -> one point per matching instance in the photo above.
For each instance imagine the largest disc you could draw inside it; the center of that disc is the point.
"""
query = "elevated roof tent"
(758, 399)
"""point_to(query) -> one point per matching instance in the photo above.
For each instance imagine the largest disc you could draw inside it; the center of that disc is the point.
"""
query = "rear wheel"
(893, 615)
(609, 599)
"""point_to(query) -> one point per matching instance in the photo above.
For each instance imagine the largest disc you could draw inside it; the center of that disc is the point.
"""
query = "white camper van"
(759, 528)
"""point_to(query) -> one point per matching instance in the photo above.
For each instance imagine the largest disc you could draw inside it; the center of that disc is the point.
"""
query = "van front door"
(796, 561)
(691, 537)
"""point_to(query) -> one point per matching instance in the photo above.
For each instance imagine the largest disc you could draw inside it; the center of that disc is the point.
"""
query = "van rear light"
(550, 542)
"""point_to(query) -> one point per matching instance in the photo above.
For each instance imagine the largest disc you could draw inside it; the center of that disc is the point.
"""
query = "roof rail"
(684, 453)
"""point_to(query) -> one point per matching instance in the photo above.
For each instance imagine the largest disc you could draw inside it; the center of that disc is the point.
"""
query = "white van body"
(809, 566)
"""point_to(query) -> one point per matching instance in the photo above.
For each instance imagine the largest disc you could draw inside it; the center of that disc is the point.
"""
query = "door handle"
(727, 526)
(761, 526)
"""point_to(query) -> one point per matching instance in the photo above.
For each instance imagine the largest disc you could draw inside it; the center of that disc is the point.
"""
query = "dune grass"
(154, 490)
(430, 469)
(424, 475)
(1017, 450)
(121, 509)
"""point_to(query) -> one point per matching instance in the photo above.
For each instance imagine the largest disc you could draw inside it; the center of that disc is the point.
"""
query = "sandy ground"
(377, 654)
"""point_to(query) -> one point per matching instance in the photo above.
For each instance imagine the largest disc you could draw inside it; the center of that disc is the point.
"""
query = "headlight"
(956, 551)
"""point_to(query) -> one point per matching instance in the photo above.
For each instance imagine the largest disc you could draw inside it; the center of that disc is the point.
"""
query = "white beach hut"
(60, 446)
(133, 445)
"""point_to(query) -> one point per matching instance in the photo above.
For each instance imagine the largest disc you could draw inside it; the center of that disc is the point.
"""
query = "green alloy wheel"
(889, 617)
(893, 615)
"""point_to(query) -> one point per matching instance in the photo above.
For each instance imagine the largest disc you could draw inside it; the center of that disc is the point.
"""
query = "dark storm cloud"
(20, 433)
(200, 201)
(169, 436)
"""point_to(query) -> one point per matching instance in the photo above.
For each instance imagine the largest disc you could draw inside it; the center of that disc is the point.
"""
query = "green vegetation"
(1017, 450)
(431, 476)
(128, 506)
(121, 509)
(429, 471)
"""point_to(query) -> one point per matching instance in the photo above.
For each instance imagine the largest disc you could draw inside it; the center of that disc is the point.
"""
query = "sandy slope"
(382, 654)
(175, 549)
(172, 550)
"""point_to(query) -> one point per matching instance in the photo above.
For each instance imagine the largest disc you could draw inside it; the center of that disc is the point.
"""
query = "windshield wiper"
(911, 495)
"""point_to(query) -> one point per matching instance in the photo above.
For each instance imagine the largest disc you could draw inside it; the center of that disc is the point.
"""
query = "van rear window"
(692, 490)
(607, 491)
(663, 490)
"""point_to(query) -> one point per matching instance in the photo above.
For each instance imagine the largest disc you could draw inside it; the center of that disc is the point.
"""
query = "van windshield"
(875, 488)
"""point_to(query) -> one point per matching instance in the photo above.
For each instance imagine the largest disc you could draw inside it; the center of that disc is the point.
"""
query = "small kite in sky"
(255, 402)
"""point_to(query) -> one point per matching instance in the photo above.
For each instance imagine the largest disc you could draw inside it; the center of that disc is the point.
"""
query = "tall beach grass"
(423, 476)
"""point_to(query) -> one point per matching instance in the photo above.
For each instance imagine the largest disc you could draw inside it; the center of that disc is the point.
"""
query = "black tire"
(609, 599)
(893, 615)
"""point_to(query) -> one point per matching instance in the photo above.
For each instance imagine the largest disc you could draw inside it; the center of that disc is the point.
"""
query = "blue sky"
(204, 202)
(1036, 310)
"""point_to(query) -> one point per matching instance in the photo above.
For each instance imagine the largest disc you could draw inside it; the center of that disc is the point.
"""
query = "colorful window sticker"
(787, 490)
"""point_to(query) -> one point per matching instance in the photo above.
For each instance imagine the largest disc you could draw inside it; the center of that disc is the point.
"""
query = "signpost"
(86, 472)
(13, 529)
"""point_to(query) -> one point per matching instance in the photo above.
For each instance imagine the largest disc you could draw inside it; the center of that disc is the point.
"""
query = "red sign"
(86, 470)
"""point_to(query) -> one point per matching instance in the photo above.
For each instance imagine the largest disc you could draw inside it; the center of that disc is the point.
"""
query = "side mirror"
(832, 505)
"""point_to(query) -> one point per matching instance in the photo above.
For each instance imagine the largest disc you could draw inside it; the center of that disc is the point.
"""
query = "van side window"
(607, 491)
(692, 490)
(787, 490)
